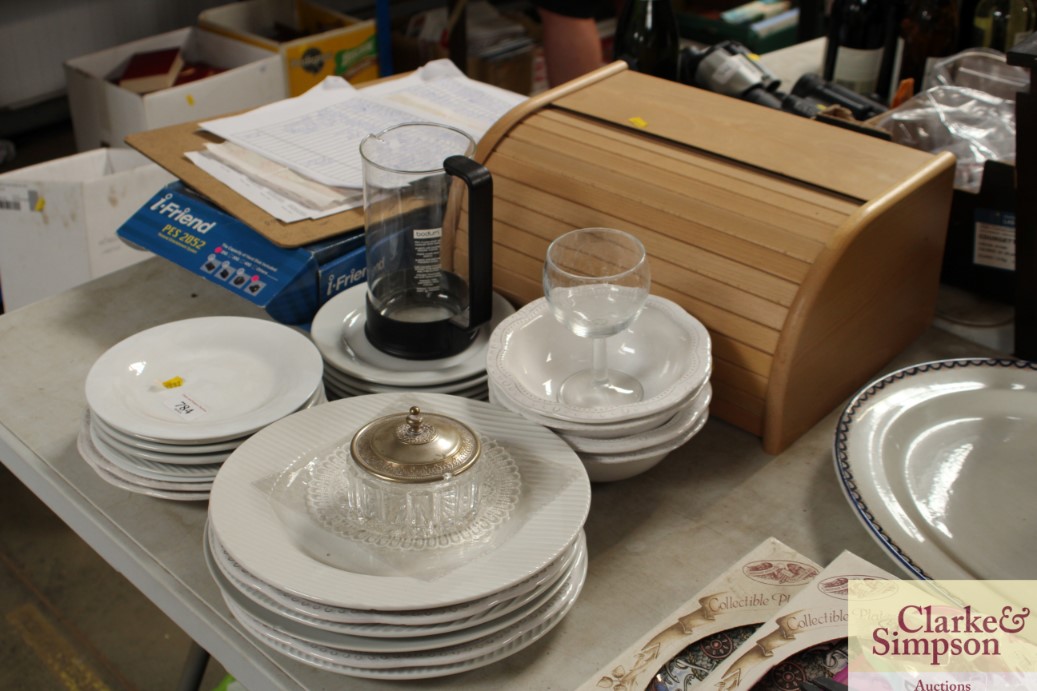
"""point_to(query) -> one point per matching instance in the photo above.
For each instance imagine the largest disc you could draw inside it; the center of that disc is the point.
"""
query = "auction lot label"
(943, 635)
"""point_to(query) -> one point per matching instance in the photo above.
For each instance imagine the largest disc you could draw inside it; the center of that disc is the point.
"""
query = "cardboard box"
(289, 283)
(329, 43)
(513, 72)
(103, 113)
(58, 220)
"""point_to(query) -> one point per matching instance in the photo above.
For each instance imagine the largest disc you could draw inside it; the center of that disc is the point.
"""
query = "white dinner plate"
(382, 624)
(203, 380)
(550, 513)
(478, 392)
(151, 469)
(338, 332)
(347, 383)
(433, 663)
(153, 488)
(937, 460)
(113, 441)
(345, 637)
(406, 624)
(184, 449)
(184, 452)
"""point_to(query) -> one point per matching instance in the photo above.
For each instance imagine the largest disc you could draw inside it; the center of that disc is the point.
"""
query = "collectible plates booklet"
(805, 639)
(699, 635)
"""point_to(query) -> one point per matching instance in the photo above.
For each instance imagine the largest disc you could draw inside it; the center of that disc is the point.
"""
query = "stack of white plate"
(531, 354)
(402, 612)
(354, 367)
(168, 405)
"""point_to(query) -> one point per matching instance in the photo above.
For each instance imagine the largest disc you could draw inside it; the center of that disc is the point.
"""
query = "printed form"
(318, 134)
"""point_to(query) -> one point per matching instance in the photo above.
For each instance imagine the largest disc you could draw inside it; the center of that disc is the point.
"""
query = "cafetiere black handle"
(480, 235)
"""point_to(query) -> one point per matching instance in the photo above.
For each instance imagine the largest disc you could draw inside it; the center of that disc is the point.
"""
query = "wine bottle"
(647, 37)
(1000, 24)
(929, 31)
(859, 38)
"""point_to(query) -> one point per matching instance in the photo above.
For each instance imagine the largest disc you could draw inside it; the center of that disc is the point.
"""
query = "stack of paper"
(300, 158)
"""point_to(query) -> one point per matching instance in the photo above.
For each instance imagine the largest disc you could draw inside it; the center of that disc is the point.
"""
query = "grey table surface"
(653, 540)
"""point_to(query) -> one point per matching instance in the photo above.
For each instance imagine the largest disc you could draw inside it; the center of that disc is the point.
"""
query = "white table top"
(653, 540)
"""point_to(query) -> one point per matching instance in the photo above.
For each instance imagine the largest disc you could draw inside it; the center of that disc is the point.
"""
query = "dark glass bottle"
(859, 45)
(929, 31)
(647, 37)
(1000, 24)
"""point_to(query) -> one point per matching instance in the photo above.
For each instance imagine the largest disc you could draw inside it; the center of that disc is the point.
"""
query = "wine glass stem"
(600, 363)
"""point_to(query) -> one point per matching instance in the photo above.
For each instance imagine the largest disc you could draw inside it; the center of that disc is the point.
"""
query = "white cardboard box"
(58, 220)
(103, 113)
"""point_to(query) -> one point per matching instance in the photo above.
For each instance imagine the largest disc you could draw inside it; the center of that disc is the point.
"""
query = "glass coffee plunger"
(418, 306)
(596, 281)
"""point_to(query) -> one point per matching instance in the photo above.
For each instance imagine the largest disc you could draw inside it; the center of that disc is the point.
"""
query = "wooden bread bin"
(811, 253)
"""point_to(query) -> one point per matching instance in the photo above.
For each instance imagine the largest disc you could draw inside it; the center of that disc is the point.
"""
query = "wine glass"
(596, 281)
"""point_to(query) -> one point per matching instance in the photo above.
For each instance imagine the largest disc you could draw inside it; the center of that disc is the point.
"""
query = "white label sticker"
(994, 240)
(427, 260)
(17, 198)
(184, 405)
(857, 69)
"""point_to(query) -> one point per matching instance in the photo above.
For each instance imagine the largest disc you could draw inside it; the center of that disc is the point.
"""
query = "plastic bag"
(973, 125)
(984, 69)
(967, 107)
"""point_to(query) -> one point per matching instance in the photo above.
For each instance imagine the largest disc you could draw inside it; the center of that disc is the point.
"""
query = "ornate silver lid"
(415, 447)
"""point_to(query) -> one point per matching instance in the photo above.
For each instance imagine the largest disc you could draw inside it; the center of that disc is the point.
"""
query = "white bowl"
(590, 430)
(677, 427)
(610, 468)
(530, 354)
(599, 471)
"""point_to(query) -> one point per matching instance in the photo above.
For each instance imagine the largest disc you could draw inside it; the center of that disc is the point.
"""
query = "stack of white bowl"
(531, 354)
(355, 367)
(296, 576)
(168, 405)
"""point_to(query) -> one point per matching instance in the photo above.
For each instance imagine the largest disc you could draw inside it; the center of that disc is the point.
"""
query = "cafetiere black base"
(416, 340)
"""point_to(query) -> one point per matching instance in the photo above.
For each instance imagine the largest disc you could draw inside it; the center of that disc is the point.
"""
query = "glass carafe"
(418, 306)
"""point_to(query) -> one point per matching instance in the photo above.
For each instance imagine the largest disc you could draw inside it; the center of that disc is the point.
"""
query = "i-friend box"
(289, 283)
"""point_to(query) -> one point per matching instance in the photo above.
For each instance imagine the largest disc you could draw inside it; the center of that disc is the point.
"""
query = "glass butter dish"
(413, 474)
(402, 491)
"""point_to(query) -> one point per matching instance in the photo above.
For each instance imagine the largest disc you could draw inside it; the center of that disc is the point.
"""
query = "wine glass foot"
(582, 391)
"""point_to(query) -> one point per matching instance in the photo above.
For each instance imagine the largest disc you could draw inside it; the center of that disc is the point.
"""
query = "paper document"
(282, 208)
(318, 134)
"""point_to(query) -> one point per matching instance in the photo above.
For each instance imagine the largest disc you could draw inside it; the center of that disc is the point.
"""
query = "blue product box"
(342, 273)
(289, 283)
